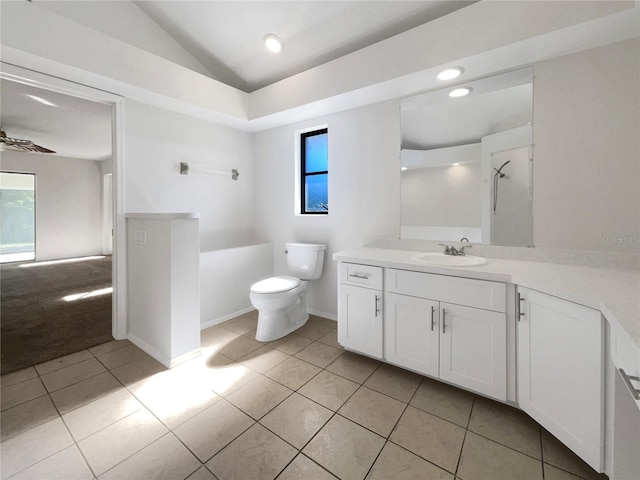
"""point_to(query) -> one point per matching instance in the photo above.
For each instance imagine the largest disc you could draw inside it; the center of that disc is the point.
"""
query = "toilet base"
(278, 323)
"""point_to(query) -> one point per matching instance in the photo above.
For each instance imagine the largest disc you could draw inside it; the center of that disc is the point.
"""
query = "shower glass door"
(17, 217)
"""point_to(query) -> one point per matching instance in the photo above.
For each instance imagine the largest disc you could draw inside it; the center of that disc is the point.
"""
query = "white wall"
(364, 189)
(157, 140)
(68, 203)
(442, 196)
(586, 167)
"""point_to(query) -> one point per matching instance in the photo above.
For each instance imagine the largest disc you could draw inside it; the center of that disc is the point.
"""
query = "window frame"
(303, 174)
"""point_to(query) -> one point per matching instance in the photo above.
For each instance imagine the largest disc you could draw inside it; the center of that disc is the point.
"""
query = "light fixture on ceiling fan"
(20, 145)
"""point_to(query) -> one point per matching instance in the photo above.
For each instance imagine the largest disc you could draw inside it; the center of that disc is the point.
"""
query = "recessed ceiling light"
(450, 73)
(42, 100)
(273, 43)
(460, 92)
(457, 164)
(403, 168)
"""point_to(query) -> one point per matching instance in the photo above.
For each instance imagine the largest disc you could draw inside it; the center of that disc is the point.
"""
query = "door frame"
(119, 264)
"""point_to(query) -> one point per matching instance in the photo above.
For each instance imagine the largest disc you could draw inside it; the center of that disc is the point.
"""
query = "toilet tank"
(305, 260)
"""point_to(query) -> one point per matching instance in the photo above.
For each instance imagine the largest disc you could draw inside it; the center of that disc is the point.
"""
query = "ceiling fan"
(21, 145)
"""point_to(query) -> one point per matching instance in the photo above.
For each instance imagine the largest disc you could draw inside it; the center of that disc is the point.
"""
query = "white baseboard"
(216, 321)
(163, 359)
(318, 313)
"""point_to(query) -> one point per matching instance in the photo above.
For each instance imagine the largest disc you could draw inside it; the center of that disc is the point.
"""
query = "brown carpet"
(37, 325)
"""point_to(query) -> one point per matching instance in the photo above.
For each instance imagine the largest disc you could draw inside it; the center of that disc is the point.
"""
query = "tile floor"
(297, 408)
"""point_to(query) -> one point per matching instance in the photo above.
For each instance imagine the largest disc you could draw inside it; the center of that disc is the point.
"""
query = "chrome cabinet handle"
(359, 275)
(377, 305)
(433, 311)
(443, 323)
(520, 312)
(635, 393)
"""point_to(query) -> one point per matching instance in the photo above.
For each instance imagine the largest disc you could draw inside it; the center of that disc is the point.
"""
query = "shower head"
(499, 170)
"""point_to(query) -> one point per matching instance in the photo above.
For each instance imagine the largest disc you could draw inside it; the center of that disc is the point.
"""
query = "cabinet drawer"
(460, 291)
(361, 275)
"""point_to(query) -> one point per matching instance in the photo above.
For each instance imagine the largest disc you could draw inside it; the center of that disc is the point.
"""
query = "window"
(17, 207)
(314, 168)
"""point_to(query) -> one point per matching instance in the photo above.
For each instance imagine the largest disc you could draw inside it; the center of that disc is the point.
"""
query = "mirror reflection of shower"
(498, 175)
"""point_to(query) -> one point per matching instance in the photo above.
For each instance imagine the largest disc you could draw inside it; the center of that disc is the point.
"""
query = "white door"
(560, 371)
(360, 320)
(473, 349)
(411, 333)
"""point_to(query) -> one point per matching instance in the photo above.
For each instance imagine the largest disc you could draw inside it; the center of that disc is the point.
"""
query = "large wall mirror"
(467, 162)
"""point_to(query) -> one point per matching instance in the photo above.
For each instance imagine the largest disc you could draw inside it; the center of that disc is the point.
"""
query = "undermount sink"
(442, 260)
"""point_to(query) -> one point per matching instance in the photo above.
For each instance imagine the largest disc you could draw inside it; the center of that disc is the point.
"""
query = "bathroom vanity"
(547, 338)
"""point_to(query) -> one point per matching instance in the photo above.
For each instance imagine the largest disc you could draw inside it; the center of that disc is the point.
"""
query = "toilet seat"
(278, 284)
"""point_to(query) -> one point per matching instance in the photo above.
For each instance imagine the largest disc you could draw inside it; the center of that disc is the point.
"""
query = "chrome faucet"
(451, 250)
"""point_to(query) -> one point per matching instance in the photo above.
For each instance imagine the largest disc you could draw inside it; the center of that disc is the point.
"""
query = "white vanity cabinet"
(448, 327)
(560, 371)
(360, 308)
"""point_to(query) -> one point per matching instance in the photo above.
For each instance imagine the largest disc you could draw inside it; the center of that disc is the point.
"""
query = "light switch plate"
(140, 237)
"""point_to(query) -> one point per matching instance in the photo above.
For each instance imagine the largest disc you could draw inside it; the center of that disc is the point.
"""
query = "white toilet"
(282, 301)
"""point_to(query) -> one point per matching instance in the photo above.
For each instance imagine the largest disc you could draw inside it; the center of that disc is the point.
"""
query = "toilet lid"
(275, 284)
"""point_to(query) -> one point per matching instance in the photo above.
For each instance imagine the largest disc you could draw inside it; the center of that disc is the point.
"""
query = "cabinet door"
(411, 333)
(360, 320)
(560, 369)
(473, 349)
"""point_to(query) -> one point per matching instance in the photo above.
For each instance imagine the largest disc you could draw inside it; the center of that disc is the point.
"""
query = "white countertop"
(615, 292)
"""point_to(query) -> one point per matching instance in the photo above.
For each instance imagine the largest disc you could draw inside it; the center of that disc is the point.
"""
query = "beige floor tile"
(329, 390)
(239, 347)
(164, 459)
(293, 372)
(353, 366)
(67, 464)
(345, 449)
(483, 458)
(331, 339)
(229, 378)
(26, 416)
(110, 446)
(122, 356)
(395, 382)
(133, 372)
(263, 359)
(304, 468)
(242, 324)
(297, 419)
(430, 437)
(553, 473)
(202, 473)
(18, 376)
(445, 401)
(216, 337)
(506, 425)
(373, 410)
(210, 430)
(291, 344)
(558, 455)
(171, 400)
(257, 455)
(259, 396)
(18, 393)
(109, 347)
(319, 354)
(397, 463)
(58, 363)
(32, 446)
(316, 327)
(85, 392)
(100, 413)
(72, 374)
